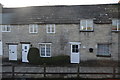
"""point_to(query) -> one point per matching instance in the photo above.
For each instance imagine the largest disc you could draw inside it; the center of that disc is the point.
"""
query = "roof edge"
(61, 5)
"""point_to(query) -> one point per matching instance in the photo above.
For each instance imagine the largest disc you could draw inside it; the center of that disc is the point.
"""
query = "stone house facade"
(85, 32)
(0, 29)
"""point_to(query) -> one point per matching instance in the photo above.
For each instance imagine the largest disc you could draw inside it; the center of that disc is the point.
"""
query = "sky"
(24, 3)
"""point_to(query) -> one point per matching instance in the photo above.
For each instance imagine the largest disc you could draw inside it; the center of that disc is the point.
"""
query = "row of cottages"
(85, 32)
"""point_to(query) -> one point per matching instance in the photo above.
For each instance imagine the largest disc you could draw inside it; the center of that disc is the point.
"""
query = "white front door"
(75, 54)
(25, 49)
(1, 52)
(12, 52)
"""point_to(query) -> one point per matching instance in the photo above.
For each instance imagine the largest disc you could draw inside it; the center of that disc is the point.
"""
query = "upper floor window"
(50, 28)
(115, 25)
(33, 28)
(6, 28)
(86, 25)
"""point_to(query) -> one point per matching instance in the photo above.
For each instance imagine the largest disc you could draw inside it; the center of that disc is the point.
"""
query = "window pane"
(103, 49)
(7, 28)
(114, 24)
(52, 28)
(48, 50)
(3, 28)
(25, 47)
(31, 28)
(75, 48)
(118, 24)
(45, 50)
(83, 25)
(42, 50)
(35, 28)
(89, 24)
(48, 29)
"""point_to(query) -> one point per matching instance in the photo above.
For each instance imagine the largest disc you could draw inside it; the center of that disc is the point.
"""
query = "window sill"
(116, 31)
(50, 33)
(45, 56)
(6, 31)
(86, 31)
(32, 33)
(103, 55)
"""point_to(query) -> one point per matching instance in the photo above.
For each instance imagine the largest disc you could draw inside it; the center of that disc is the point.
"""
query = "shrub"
(33, 55)
(61, 59)
(55, 60)
(34, 58)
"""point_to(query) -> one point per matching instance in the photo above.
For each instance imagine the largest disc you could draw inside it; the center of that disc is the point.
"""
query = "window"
(115, 25)
(45, 50)
(33, 28)
(6, 28)
(50, 28)
(103, 49)
(75, 48)
(86, 25)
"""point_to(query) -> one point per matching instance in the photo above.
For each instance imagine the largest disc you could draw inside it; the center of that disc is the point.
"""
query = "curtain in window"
(103, 49)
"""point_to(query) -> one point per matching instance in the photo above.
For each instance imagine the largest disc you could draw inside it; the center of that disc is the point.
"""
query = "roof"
(57, 14)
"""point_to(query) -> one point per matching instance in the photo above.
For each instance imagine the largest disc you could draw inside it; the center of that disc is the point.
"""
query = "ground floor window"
(45, 50)
(103, 49)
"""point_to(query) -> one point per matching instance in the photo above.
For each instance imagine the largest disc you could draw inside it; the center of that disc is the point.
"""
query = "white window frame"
(5, 26)
(45, 49)
(118, 24)
(86, 25)
(51, 26)
(33, 27)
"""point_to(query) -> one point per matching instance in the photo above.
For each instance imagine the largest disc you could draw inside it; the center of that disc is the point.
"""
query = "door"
(12, 52)
(25, 49)
(1, 52)
(75, 54)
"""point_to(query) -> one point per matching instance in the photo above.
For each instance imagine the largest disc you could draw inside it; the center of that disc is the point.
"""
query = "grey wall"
(65, 33)
(0, 38)
(0, 22)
